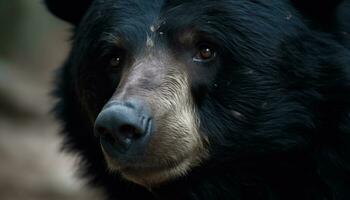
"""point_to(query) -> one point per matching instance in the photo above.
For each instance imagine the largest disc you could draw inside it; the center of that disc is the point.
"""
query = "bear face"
(164, 68)
(182, 89)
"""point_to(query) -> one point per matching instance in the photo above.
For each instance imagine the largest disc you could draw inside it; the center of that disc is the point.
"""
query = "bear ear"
(68, 10)
(320, 11)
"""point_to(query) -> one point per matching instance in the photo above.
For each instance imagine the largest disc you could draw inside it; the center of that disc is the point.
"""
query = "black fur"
(281, 67)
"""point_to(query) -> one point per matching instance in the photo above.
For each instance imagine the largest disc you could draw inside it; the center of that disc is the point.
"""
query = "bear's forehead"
(151, 10)
(162, 23)
(143, 22)
(157, 15)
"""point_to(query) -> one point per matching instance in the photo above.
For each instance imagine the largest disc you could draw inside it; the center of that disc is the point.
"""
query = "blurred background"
(32, 45)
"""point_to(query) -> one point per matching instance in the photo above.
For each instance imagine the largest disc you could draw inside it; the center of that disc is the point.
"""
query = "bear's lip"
(151, 175)
(145, 173)
(139, 168)
(137, 164)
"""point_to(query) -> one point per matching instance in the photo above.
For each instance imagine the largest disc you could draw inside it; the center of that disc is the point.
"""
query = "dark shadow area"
(33, 45)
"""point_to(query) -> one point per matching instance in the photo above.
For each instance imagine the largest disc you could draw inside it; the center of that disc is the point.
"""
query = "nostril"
(129, 131)
(104, 133)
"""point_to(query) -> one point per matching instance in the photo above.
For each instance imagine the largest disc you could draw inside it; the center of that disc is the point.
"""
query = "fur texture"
(274, 105)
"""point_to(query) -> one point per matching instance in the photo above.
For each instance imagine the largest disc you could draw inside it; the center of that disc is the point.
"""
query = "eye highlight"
(115, 61)
(204, 53)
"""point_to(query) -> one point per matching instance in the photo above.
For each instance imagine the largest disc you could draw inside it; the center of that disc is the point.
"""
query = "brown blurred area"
(32, 45)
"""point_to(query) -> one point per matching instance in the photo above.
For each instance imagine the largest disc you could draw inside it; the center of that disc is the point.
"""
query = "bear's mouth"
(147, 173)
(154, 175)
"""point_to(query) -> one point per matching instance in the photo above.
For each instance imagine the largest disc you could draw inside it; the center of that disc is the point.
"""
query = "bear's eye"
(204, 53)
(115, 61)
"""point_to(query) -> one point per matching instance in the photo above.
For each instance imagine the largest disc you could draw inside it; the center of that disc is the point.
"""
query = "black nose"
(120, 124)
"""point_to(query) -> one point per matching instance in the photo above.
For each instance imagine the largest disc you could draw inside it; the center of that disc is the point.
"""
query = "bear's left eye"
(115, 61)
(204, 53)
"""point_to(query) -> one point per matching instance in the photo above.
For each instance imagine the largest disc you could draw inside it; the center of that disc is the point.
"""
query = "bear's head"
(168, 87)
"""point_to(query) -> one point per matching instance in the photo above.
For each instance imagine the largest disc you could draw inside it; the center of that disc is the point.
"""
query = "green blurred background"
(32, 45)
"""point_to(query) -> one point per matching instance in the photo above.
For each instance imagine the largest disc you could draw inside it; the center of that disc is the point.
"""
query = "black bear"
(204, 99)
